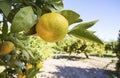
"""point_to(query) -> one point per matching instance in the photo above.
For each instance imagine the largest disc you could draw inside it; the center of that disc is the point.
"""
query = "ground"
(80, 67)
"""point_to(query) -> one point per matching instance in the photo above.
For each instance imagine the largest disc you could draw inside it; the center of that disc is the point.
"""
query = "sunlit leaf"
(85, 34)
(71, 16)
(24, 19)
(31, 54)
(5, 7)
(25, 54)
(55, 5)
(77, 20)
(85, 25)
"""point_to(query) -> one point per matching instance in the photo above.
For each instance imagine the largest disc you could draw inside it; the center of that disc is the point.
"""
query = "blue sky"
(107, 11)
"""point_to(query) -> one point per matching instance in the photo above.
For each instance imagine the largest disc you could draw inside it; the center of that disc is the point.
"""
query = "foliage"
(73, 45)
(81, 32)
(40, 48)
(109, 46)
(115, 46)
(21, 15)
(32, 53)
(117, 51)
(76, 46)
(67, 41)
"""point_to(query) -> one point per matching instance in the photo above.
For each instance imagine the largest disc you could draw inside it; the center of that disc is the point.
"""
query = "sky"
(106, 11)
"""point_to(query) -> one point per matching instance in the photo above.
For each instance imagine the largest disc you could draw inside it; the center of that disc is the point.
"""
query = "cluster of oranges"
(30, 66)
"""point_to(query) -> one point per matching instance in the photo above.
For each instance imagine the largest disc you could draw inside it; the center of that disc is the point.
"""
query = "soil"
(79, 67)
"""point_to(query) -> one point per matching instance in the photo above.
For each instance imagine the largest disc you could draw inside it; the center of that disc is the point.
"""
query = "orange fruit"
(52, 27)
(6, 47)
(39, 65)
(21, 76)
(24, 76)
(29, 66)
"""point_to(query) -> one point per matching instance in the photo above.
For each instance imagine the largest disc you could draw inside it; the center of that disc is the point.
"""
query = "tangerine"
(6, 47)
(52, 27)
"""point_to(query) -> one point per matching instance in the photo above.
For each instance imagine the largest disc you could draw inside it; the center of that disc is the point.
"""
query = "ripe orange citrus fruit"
(29, 66)
(24, 76)
(6, 47)
(52, 27)
(21, 76)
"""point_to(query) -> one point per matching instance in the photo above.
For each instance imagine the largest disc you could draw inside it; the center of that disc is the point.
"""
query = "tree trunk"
(86, 54)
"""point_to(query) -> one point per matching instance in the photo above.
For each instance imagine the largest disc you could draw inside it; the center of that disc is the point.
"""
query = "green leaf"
(25, 54)
(71, 16)
(32, 72)
(3, 75)
(54, 5)
(38, 11)
(85, 34)
(2, 63)
(24, 19)
(5, 6)
(17, 1)
(19, 70)
(85, 25)
(77, 20)
(4, 29)
(12, 14)
(19, 44)
(30, 54)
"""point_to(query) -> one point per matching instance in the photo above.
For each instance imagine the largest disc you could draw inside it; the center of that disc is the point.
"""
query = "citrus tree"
(117, 51)
(44, 18)
(73, 45)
